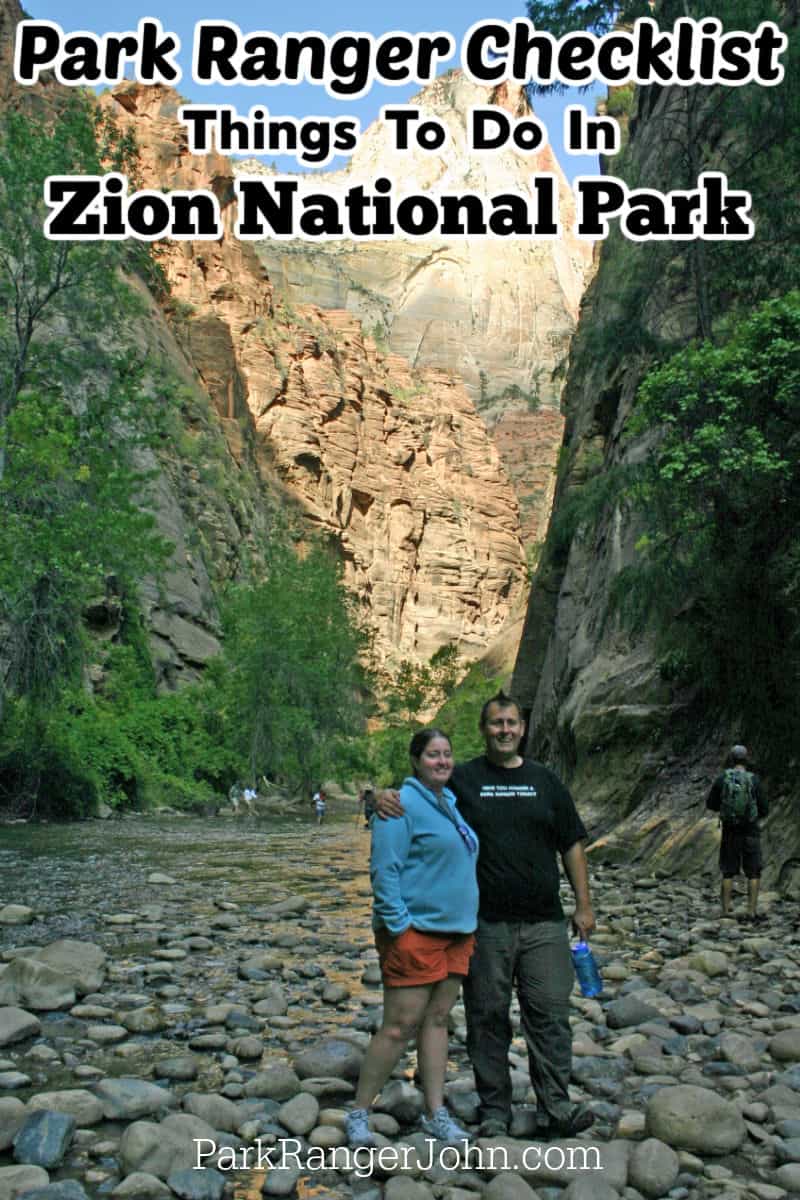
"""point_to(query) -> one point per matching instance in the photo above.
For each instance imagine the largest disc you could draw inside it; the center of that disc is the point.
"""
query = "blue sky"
(302, 100)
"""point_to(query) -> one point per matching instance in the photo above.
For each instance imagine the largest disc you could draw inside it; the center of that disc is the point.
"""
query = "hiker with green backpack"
(738, 797)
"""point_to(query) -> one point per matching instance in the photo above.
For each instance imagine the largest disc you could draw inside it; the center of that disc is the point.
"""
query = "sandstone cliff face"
(500, 314)
(395, 463)
(600, 709)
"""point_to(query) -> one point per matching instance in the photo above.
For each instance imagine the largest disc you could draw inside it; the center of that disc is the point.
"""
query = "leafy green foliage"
(719, 501)
(597, 16)
(293, 687)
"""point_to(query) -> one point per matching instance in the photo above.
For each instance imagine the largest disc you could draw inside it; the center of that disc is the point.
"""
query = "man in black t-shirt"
(525, 819)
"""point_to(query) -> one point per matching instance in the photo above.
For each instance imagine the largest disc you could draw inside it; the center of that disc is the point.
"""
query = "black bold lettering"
(320, 216)
(452, 221)
(491, 36)
(214, 46)
(257, 199)
(482, 136)
(510, 216)
(154, 61)
(36, 47)
(646, 218)
(597, 199)
(65, 221)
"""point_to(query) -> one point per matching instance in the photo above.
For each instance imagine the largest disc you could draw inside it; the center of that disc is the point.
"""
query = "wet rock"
(281, 1181)
(334, 1056)
(145, 1020)
(507, 1186)
(401, 1100)
(62, 1189)
(141, 1186)
(44, 1138)
(272, 1001)
(127, 1098)
(299, 1115)
(16, 1180)
(785, 1046)
(275, 1082)
(171, 1145)
(84, 963)
(695, 1118)
(16, 1024)
(214, 1110)
(28, 983)
(246, 1048)
(85, 1107)
(206, 1184)
(653, 1167)
(12, 1116)
(16, 914)
(629, 1010)
(709, 962)
(182, 1069)
(788, 1176)
(11, 1080)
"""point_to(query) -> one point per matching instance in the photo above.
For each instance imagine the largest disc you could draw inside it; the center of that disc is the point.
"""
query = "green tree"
(78, 417)
(292, 694)
(719, 501)
(43, 281)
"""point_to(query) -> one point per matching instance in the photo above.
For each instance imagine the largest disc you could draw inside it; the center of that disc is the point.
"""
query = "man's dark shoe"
(579, 1119)
(493, 1127)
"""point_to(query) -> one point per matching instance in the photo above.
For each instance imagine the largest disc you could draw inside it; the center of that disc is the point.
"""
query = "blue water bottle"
(586, 969)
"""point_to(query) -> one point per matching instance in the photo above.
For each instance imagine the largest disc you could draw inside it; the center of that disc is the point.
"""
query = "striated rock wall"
(498, 313)
(395, 463)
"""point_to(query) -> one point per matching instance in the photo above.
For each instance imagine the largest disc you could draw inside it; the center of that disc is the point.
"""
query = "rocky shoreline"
(190, 994)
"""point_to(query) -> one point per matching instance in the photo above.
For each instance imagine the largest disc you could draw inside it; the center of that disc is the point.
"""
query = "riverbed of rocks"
(184, 1007)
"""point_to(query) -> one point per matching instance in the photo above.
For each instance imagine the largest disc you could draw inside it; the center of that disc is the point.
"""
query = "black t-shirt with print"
(525, 818)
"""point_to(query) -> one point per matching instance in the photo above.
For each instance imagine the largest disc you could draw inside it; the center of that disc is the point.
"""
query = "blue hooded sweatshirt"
(422, 869)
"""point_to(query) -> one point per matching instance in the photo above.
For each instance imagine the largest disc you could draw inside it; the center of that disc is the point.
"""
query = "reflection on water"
(90, 881)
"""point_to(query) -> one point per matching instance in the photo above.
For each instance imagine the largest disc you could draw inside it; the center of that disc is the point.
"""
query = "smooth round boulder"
(688, 1117)
(785, 1046)
(334, 1056)
(16, 1024)
(653, 1168)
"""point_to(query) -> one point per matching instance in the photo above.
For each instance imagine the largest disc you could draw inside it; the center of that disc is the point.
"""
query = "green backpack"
(738, 805)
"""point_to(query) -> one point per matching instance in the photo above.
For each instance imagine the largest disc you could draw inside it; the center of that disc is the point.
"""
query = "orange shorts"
(414, 958)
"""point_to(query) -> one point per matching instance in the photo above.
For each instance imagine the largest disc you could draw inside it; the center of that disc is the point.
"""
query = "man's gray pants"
(536, 959)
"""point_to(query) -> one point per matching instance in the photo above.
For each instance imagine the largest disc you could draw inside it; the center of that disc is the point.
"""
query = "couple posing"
(470, 893)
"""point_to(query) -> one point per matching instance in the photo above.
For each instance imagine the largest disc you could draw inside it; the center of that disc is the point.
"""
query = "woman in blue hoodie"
(425, 911)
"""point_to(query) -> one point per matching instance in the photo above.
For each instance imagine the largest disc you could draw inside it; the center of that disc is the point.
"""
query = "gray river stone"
(190, 1184)
(12, 1115)
(695, 1118)
(44, 1138)
(277, 1081)
(14, 1180)
(28, 983)
(141, 1186)
(171, 1145)
(213, 1109)
(785, 1046)
(653, 1168)
(85, 1107)
(127, 1098)
(16, 1024)
(61, 1189)
(84, 963)
(16, 914)
(299, 1115)
(333, 1056)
